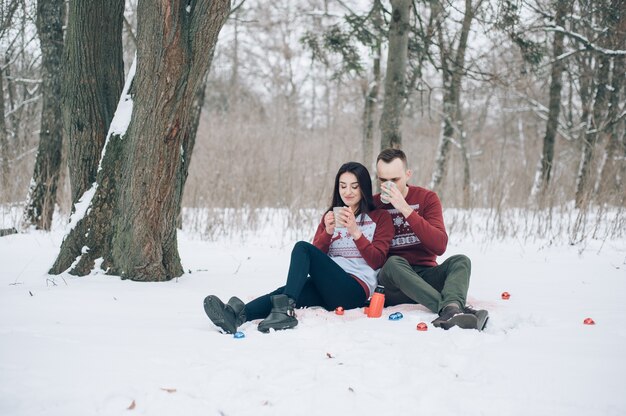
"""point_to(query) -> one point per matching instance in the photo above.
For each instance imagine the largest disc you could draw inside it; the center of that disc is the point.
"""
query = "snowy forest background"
(512, 110)
(297, 88)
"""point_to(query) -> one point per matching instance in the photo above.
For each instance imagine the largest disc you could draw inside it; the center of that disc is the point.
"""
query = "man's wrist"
(407, 211)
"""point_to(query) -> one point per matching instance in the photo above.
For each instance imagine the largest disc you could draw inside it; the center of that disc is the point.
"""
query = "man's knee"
(390, 269)
(461, 260)
(392, 264)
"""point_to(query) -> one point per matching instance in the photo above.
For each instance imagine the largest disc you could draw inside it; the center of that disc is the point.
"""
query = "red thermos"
(377, 303)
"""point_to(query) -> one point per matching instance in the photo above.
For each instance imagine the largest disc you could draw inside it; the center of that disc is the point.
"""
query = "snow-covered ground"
(98, 345)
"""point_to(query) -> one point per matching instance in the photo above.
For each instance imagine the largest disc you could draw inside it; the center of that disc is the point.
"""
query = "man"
(411, 273)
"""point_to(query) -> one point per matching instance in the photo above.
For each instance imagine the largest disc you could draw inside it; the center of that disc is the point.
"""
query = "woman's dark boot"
(282, 315)
(229, 316)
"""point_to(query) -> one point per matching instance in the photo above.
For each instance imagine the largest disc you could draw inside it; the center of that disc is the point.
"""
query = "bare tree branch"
(589, 45)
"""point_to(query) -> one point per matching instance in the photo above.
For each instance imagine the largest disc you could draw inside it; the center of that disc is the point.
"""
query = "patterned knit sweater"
(422, 236)
(361, 258)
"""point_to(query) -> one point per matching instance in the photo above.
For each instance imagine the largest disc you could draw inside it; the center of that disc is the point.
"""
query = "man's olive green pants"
(433, 287)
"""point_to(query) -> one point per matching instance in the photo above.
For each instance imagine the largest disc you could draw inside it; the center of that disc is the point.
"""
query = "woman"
(338, 269)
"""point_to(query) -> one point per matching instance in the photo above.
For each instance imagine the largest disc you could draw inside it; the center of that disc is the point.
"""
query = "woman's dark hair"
(365, 184)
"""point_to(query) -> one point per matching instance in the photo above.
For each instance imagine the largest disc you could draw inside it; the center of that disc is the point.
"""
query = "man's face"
(395, 172)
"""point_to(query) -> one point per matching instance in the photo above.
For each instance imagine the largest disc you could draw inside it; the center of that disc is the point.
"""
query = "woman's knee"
(302, 246)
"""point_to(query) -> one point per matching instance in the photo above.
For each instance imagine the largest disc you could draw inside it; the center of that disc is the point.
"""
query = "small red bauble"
(506, 295)
(422, 326)
(589, 321)
(339, 310)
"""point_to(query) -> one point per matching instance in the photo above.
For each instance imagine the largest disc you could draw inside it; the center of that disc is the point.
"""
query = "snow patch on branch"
(586, 42)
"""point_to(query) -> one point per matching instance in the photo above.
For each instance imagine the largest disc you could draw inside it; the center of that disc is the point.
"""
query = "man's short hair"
(388, 155)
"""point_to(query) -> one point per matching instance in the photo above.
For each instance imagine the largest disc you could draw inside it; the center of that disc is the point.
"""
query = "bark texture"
(43, 189)
(395, 83)
(132, 219)
(93, 79)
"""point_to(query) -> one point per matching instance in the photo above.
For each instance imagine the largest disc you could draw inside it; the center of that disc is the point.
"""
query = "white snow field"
(98, 345)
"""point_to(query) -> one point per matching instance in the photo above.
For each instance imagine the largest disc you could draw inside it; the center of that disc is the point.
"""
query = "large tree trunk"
(544, 168)
(453, 69)
(395, 78)
(131, 223)
(43, 189)
(94, 75)
(371, 97)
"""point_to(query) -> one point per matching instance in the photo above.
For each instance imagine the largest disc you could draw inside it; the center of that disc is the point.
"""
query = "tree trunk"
(4, 148)
(453, 70)
(591, 133)
(395, 89)
(42, 193)
(615, 151)
(371, 99)
(608, 182)
(466, 163)
(15, 110)
(599, 115)
(544, 169)
(94, 75)
(131, 222)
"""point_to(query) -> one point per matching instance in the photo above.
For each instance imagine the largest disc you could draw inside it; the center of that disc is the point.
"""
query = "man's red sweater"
(422, 236)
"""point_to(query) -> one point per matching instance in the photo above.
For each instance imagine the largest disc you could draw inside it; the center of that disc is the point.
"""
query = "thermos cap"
(380, 289)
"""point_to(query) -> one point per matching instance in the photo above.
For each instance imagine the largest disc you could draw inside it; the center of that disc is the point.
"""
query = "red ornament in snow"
(506, 295)
(422, 326)
(589, 321)
(339, 310)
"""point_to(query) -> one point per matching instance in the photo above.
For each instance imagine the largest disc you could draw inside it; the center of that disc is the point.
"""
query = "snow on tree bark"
(131, 221)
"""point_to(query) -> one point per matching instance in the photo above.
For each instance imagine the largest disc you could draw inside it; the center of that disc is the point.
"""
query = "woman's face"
(349, 190)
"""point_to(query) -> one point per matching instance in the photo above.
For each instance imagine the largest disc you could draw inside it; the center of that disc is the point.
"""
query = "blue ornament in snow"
(395, 316)
(239, 335)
